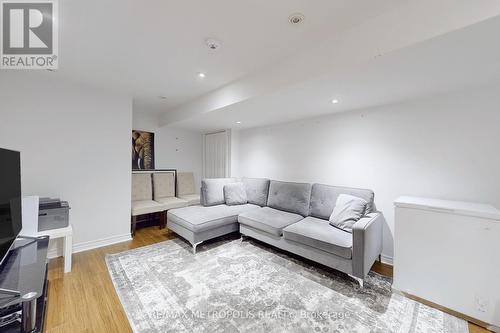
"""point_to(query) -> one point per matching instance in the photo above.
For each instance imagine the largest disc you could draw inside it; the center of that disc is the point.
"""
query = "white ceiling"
(455, 61)
(288, 89)
(156, 48)
(272, 70)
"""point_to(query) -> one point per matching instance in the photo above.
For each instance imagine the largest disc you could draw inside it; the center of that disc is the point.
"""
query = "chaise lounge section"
(197, 224)
(291, 216)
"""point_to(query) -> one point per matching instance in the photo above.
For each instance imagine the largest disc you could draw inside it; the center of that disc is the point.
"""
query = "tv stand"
(9, 292)
(23, 286)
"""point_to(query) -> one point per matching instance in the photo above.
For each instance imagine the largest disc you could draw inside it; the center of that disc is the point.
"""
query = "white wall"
(175, 148)
(442, 147)
(144, 120)
(75, 144)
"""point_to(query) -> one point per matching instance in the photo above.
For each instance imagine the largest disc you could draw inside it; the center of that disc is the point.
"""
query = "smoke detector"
(296, 18)
(213, 44)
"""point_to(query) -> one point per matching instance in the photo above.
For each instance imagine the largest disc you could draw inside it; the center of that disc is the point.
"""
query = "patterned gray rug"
(234, 286)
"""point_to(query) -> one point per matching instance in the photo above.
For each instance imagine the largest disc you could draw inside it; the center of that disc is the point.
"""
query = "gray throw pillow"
(348, 210)
(212, 190)
(235, 194)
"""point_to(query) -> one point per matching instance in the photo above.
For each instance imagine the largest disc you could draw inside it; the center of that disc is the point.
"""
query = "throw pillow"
(235, 194)
(348, 210)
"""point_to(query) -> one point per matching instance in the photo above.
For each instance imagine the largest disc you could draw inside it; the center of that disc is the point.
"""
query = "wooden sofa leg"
(163, 219)
(133, 225)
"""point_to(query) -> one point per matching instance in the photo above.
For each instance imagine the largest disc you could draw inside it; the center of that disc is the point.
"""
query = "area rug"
(245, 286)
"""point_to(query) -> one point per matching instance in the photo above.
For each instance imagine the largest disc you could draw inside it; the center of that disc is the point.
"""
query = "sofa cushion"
(319, 234)
(141, 187)
(324, 197)
(185, 183)
(257, 190)
(171, 202)
(348, 210)
(141, 207)
(163, 185)
(200, 218)
(213, 190)
(235, 194)
(269, 220)
(290, 197)
(192, 199)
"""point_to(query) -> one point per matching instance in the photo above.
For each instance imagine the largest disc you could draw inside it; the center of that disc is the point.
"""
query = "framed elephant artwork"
(143, 150)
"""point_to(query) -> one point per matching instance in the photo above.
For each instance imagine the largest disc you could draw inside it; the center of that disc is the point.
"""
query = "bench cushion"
(269, 220)
(200, 218)
(163, 185)
(324, 197)
(192, 199)
(257, 190)
(185, 183)
(290, 197)
(140, 207)
(142, 189)
(321, 235)
(171, 203)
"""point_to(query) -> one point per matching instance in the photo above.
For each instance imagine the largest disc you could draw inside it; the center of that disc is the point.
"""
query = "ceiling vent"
(213, 44)
(296, 18)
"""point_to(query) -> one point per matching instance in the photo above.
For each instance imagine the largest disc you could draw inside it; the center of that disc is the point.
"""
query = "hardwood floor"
(387, 271)
(85, 299)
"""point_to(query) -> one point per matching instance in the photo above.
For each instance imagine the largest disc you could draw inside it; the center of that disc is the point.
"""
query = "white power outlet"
(482, 304)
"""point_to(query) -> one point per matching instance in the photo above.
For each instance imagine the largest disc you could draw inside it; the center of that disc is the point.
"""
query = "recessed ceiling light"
(213, 44)
(296, 18)
(238, 122)
(162, 97)
(335, 101)
(201, 75)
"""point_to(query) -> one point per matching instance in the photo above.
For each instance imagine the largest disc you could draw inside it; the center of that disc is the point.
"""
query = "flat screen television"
(10, 200)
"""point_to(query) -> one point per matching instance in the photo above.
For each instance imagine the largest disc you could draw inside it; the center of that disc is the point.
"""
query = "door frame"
(227, 171)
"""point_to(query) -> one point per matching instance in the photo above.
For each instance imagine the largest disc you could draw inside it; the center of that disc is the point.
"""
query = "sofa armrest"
(366, 243)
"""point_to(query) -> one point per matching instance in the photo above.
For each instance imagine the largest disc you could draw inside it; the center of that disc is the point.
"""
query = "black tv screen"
(10, 199)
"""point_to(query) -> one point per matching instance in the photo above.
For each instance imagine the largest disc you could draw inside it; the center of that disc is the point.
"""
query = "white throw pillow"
(348, 210)
(235, 194)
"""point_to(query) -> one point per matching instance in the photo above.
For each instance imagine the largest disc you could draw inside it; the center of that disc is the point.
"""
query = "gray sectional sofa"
(290, 216)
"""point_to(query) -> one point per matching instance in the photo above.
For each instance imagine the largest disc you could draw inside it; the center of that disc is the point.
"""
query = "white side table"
(67, 234)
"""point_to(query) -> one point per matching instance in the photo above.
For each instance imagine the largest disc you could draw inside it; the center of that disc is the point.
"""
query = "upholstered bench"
(153, 192)
(142, 198)
(164, 191)
(186, 189)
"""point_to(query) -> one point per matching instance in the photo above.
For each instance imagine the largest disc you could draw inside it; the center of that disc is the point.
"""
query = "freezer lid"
(451, 207)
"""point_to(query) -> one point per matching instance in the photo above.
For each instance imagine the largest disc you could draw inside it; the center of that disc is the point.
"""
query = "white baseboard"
(56, 251)
(387, 260)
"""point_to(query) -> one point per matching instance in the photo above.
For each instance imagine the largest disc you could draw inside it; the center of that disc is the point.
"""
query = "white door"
(216, 155)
